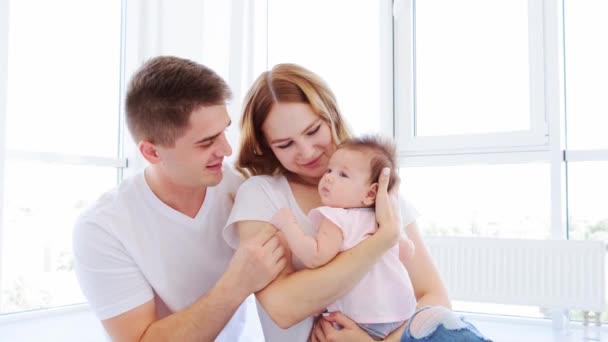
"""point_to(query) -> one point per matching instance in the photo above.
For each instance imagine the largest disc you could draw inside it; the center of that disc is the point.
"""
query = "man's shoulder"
(111, 205)
(231, 177)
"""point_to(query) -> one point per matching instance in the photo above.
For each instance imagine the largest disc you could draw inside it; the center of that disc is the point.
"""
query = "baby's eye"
(328, 171)
(342, 174)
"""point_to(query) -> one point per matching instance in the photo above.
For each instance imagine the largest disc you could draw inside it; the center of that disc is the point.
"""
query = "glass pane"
(472, 72)
(64, 68)
(587, 204)
(586, 73)
(508, 201)
(41, 203)
(344, 52)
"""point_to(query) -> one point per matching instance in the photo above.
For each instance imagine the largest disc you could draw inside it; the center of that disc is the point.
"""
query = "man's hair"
(285, 83)
(383, 153)
(164, 92)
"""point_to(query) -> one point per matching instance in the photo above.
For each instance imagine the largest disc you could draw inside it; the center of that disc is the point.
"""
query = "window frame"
(535, 139)
(120, 162)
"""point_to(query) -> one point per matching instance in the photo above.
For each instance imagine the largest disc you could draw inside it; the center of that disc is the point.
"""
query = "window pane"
(472, 72)
(508, 201)
(63, 63)
(586, 73)
(587, 204)
(345, 52)
(41, 204)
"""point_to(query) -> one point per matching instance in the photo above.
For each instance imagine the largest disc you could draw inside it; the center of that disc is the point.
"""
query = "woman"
(290, 127)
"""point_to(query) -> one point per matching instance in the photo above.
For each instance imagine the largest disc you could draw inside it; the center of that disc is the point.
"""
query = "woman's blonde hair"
(285, 83)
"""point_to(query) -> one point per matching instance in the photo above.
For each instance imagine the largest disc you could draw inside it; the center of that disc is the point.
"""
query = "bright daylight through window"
(62, 121)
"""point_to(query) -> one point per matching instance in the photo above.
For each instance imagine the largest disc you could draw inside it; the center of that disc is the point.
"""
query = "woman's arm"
(292, 297)
(428, 289)
(427, 284)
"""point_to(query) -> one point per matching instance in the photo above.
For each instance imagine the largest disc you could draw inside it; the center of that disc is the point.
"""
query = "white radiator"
(547, 273)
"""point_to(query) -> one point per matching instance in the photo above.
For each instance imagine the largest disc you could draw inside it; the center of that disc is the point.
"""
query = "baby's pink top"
(385, 294)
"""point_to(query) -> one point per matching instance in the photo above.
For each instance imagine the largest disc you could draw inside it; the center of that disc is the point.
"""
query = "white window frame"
(535, 139)
(4, 15)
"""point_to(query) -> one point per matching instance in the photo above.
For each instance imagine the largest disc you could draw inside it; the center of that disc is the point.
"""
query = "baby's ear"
(370, 198)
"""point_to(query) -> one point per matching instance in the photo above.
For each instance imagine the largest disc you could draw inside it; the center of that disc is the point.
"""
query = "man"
(149, 254)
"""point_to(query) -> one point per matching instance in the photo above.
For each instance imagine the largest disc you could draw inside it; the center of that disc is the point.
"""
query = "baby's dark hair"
(383, 154)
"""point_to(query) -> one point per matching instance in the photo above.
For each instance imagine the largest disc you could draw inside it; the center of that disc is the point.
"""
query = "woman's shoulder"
(272, 181)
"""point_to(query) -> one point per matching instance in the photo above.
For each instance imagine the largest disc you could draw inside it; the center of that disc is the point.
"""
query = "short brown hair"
(164, 92)
(285, 83)
(383, 154)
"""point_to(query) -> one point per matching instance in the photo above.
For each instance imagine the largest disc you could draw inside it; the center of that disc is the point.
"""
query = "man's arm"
(312, 251)
(255, 263)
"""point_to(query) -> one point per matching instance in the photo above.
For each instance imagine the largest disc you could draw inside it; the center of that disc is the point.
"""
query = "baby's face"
(345, 184)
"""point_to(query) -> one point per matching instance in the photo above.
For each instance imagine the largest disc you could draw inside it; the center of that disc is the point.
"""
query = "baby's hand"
(283, 218)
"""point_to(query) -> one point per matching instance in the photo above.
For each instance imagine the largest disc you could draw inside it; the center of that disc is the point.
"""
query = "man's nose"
(224, 148)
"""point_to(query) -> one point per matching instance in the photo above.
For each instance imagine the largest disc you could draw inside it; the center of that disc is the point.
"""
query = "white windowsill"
(78, 323)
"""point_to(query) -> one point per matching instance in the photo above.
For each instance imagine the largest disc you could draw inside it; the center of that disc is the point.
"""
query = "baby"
(383, 300)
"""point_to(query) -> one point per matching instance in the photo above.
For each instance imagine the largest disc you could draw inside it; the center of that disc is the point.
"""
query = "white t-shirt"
(258, 199)
(130, 247)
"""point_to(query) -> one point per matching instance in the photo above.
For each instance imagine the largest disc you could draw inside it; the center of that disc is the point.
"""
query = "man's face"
(196, 158)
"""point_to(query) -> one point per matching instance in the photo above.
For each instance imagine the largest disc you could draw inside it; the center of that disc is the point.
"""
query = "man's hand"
(283, 218)
(257, 262)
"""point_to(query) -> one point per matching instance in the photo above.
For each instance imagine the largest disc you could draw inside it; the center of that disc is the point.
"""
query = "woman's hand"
(388, 214)
(324, 331)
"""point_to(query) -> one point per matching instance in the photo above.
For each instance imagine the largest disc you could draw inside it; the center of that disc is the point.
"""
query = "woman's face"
(301, 140)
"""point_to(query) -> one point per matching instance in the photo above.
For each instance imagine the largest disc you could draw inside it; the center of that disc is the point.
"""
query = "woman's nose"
(307, 151)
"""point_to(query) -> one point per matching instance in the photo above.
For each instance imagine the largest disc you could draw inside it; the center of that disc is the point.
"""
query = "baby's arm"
(312, 251)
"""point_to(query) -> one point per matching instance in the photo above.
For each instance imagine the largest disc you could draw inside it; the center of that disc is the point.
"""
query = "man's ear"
(149, 151)
(370, 198)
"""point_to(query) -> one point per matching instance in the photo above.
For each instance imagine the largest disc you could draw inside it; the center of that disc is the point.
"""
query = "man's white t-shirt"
(130, 247)
(258, 199)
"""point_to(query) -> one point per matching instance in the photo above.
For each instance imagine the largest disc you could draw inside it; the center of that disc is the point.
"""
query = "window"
(586, 56)
(508, 116)
(505, 200)
(345, 50)
(486, 68)
(62, 141)
(587, 211)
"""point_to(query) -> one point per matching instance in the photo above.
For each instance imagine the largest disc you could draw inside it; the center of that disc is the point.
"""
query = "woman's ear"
(149, 151)
(370, 198)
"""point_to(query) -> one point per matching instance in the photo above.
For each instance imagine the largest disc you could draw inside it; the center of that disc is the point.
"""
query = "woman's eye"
(314, 130)
(285, 145)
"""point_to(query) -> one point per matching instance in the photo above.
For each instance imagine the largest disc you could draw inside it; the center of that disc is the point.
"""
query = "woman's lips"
(314, 163)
